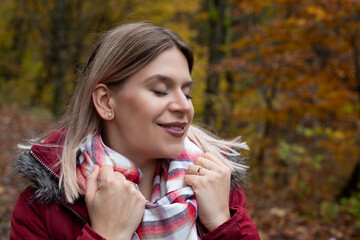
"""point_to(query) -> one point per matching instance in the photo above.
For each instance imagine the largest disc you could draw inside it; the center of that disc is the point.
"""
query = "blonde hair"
(119, 54)
(223, 149)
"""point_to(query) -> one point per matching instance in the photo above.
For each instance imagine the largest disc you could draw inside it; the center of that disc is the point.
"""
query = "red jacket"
(42, 213)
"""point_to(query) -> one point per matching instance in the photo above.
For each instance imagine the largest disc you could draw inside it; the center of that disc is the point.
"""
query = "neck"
(146, 185)
(147, 166)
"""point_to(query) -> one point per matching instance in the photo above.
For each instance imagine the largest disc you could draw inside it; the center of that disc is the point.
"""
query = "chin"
(172, 152)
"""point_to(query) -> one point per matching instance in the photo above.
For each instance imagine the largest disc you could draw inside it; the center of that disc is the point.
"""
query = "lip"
(176, 129)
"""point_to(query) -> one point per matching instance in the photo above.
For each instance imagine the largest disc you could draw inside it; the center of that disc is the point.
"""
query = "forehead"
(171, 64)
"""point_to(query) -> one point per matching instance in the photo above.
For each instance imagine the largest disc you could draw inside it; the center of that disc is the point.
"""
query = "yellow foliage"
(317, 12)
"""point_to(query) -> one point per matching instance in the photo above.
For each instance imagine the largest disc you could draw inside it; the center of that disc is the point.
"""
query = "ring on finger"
(198, 171)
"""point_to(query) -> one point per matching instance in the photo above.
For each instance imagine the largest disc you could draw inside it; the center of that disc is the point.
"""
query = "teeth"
(172, 127)
(176, 128)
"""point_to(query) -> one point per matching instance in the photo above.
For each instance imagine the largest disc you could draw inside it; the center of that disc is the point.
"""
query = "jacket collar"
(48, 153)
(41, 167)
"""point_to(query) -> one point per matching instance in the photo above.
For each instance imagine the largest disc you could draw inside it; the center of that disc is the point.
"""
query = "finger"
(197, 170)
(134, 185)
(106, 173)
(221, 166)
(92, 183)
(206, 163)
(120, 176)
(192, 180)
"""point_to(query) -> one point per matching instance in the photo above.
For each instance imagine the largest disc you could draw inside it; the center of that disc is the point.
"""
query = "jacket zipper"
(57, 177)
(199, 230)
(73, 211)
(43, 165)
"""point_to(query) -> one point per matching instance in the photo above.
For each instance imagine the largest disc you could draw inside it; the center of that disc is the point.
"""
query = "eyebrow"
(164, 78)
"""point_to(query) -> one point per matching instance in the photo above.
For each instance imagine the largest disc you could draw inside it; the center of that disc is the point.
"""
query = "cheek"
(141, 114)
(142, 101)
(191, 113)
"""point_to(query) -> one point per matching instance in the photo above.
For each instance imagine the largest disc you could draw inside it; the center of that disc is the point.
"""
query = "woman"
(126, 163)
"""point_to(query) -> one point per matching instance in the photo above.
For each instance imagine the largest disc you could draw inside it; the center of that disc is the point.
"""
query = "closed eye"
(160, 93)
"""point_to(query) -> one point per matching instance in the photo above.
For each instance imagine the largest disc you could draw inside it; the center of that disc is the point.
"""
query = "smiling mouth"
(171, 127)
(176, 129)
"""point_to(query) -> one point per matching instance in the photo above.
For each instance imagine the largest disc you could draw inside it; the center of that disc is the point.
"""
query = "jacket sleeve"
(240, 225)
(88, 233)
(28, 221)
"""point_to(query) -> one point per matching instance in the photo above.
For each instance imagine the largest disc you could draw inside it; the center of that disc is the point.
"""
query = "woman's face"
(153, 110)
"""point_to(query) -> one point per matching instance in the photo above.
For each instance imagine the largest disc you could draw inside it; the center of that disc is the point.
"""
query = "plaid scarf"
(171, 213)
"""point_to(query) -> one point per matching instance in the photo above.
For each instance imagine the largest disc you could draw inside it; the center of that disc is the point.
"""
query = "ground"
(275, 216)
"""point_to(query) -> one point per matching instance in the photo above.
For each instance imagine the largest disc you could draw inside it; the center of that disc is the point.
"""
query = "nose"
(180, 103)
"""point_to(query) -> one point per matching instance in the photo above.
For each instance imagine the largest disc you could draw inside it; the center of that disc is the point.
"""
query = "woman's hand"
(210, 180)
(115, 206)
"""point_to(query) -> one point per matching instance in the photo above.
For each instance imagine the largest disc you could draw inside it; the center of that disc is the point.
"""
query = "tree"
(62, 27)
(60, 31)
(217, 36)
(295, 62)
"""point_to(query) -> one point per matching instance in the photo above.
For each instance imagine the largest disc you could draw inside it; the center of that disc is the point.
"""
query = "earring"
(109, 115)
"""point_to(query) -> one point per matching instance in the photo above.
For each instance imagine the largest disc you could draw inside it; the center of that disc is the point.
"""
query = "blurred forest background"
(284, 74)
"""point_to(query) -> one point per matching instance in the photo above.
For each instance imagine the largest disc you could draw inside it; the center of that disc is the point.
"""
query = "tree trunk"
(217, 11)
(353, 184)
(229, 76)
(269, 96)
(227, 111)
(59, 57)
(262, 149)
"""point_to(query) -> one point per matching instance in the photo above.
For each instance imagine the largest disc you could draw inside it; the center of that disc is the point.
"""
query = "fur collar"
(45, 184)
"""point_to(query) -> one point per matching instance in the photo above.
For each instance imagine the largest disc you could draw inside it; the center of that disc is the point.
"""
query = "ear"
(101, 97)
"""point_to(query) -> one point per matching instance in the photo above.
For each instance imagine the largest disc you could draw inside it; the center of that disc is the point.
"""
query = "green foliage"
(329, 210)
(350, 206)
(19, 90)
(291, 153)
(41, 42)
(298, 154)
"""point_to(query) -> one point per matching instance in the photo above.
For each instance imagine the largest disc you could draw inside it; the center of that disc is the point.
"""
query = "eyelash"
(159, 93)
